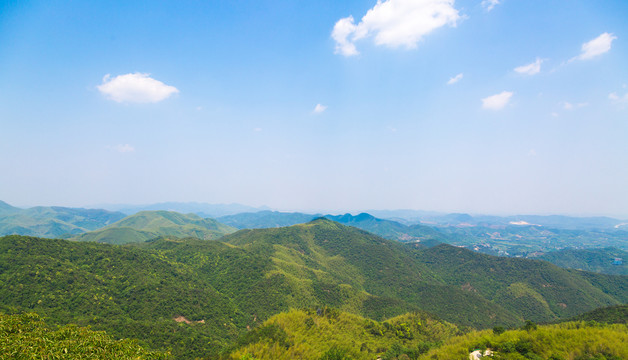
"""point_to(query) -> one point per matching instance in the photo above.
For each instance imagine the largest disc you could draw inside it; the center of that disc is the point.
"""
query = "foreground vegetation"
(26, 336)
(316, 333)
(335, 335)
(566, 341)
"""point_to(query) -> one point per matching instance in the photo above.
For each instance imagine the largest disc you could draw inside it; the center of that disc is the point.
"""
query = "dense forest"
(200, 298)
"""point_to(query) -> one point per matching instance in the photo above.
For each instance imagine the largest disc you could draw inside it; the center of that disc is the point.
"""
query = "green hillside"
(147, 225)
(595, 260)
(612, 315)
(325, 333)
(128, 292)
(53, 222)
(380, 278)
(265, 219)
(535, 290)
(27, 336)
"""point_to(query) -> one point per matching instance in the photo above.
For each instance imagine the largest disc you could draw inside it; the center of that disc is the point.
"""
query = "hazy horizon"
(493, 107)
(323, 211)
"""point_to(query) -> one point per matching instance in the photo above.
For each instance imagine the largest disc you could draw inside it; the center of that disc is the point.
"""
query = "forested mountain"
(617, 314)
(385, 228)
(535, 290)
(391, 229)
(459, 285)
(54, 221)
(606, 260)
(197, 296)
(148, 225)
(265, 219)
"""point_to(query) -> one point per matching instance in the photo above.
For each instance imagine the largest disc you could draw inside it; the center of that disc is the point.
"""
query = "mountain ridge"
(146, 225)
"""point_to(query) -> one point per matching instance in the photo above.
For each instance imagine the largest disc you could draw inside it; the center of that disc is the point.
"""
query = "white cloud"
(394, 23)
(135, 88)
(122, 148)
(455, 79)
(319, 108)
(497, 101)
(490, 4)
(257, 129)
(617, 98)
(569, 106)
(530, 69)
(342, 30)
(595, 47)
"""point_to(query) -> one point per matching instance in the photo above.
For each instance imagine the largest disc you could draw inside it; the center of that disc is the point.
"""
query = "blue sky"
(501, 107)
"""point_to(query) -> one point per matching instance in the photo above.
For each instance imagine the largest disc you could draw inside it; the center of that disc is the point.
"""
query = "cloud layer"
(394, 23)
(497, 101)
(135, 88)
(618, 98)
(455, 79)
(596, 47)
(530, 69)
(319, 108)
(490, 4)
(122, 148)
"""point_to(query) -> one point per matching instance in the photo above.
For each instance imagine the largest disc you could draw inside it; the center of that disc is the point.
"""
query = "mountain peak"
(4, 206)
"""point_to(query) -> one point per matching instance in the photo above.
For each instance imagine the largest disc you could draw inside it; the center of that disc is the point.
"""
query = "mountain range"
(53, 221)
(146, 225)
(184, 294)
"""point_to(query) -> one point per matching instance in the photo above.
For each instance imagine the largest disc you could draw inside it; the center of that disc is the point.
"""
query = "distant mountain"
(606, 260)
(265, 219)
(53, 221)
(391, 229)
(6, 208)
(147, 225)
(201, 209)
(530, 240)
